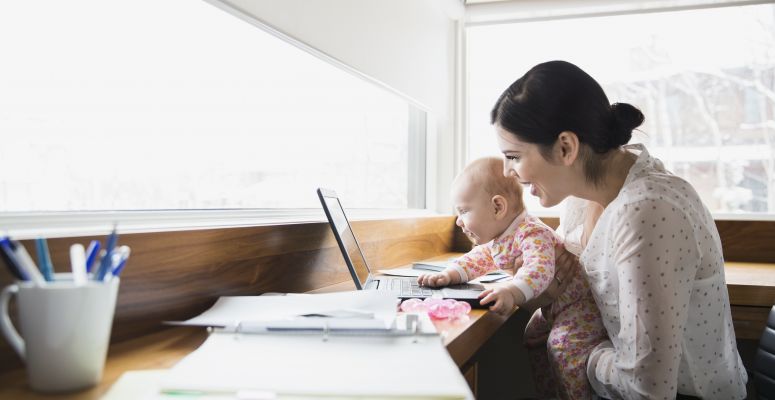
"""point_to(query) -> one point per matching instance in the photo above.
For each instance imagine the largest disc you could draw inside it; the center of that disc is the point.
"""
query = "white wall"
(409, 45)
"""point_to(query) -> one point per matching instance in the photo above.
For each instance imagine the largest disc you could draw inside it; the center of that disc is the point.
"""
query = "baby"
(491, 213)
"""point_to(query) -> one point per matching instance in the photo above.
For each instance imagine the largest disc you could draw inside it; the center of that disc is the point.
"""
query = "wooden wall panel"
(742, 241)
(748, 241)
(177, 275)
(749, 322)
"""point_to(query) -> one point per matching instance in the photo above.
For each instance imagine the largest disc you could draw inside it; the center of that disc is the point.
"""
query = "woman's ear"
(567, 147)
(500, 205)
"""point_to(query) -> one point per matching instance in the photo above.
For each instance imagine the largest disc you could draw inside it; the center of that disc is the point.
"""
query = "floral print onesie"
(571, 326)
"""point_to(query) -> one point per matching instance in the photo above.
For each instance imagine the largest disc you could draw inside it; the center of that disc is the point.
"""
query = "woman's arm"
(656, 258)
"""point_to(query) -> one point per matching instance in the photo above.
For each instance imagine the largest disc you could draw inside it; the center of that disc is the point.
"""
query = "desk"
(751, 284)
(751, 294)
(163, 349)
(751, 287)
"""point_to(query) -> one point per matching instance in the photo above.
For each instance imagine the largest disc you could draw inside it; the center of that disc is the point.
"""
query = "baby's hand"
(434, 280)
(502, 298)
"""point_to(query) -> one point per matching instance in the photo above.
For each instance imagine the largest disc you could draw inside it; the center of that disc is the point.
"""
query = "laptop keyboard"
(404, 288)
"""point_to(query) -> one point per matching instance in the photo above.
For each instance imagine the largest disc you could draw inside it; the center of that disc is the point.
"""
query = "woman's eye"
(512, 158)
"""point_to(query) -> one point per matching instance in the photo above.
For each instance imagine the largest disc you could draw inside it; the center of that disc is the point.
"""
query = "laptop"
(403, 287)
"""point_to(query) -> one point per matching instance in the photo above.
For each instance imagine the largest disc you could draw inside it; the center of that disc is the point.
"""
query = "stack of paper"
(342, 310)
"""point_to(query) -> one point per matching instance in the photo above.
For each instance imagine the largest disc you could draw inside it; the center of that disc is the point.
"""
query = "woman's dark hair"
(558, 96)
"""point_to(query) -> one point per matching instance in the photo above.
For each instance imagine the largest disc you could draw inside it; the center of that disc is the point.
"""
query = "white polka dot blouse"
(656, 270)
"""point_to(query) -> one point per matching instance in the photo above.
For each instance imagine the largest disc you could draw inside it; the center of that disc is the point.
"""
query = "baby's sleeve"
(474, 264)
(537, 271)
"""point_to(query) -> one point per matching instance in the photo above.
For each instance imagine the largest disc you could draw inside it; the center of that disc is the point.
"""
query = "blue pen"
(44, 259)
(106, 261)
(124, 252)
(27, 263)
(91, 254)
(6, 250)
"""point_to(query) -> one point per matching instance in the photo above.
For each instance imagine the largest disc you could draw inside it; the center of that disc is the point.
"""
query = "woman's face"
(525, 161)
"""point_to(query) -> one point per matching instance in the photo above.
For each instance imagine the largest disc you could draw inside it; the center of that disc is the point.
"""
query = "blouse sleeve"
(572, 224)
(537, 271)
(656, 258)
(474, 264)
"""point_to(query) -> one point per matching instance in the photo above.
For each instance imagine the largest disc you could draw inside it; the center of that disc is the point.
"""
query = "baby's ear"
(500, 206)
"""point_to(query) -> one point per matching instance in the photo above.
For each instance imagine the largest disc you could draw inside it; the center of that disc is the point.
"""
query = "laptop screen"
(345, 236)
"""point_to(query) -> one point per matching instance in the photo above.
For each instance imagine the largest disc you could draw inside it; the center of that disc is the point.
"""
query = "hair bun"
(625, 118)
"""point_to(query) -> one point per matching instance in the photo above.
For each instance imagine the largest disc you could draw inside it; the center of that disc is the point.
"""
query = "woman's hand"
(565, 265)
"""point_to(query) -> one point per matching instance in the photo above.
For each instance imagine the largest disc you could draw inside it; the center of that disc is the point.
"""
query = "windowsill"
(743, 217)
(27, 225)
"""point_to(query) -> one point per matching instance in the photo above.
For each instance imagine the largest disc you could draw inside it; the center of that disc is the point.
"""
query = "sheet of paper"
(230, 311)
(403, 272)
(431, 265)
(287, 365)
(496, 276)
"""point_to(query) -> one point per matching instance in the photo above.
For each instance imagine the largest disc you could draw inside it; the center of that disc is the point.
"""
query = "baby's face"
(475, 212)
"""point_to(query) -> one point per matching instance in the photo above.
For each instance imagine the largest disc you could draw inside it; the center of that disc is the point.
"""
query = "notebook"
(403, 287)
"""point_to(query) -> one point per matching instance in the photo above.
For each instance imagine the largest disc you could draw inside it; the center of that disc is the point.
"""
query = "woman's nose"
(459, 221)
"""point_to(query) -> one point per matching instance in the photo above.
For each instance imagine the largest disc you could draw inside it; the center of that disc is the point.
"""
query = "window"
(704, 79)
(178, 105)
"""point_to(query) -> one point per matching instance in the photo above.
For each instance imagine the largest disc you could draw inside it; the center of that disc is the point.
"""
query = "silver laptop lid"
(351, 251)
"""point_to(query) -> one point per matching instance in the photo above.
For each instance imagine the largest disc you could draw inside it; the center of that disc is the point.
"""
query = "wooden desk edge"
(750, 284)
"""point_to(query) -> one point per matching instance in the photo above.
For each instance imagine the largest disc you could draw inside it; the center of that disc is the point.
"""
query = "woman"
(651, 253)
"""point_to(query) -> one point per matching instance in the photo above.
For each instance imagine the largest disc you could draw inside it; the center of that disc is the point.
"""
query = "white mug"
(65, 331)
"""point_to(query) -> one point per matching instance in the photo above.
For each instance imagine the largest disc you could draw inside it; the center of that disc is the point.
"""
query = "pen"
(91, 254)
(98, 261)
(123, 255)
(6, 251)
(44, 259)
(106, 261)
(26, 263)
(78, 264)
